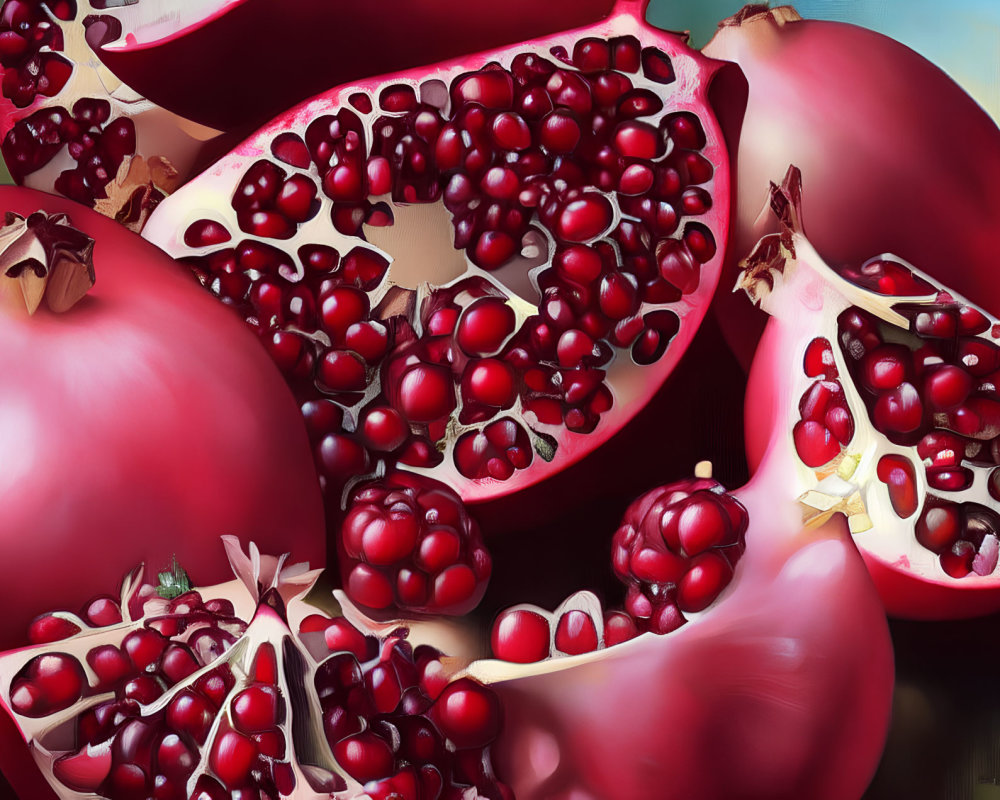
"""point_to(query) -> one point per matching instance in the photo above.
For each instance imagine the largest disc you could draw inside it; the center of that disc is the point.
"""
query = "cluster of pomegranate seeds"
(97, 144)
(29, 49)
(565, 179)
(525, 634)
(932, 387)
(675, 551)
(407, 542)
(825, 422)
(182, 698)
(396, 725)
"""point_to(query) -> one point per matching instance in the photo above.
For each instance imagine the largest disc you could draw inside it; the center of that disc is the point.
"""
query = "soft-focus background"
(945, 739)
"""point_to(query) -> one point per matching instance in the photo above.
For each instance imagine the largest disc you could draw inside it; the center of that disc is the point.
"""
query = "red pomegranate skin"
(782, 690)
(904, 593)
(141, 424)
(243, 63)
(896, 157)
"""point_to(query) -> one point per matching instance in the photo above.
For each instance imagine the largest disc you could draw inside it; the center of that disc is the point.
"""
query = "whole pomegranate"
(478, 270)
(885, 383)
(139, 423)
(70, 127)
(243, 689)
(873, 127)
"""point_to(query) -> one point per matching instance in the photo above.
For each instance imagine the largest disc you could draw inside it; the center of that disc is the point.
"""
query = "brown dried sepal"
(44, 256)
(137, 189)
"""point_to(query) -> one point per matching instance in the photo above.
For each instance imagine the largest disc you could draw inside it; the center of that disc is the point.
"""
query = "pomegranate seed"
(85, 770)
(454, 586)
(638, 140)
(814, 444)
(618, 627)
(511, 132)
(957, 561)
(584, 219)
(191, 714)
(426, 393)
(897, 473)
(385, 429)
(103, 612)
(369, 587)
(232, 757)
(49, 628)
(947, 387)
(364, 756)
(489, 381)
(144, 647)
(576, 633)
(938, 527)
(949, 479)
(255, 709)
(818, 361)
(899, 410)
(468, 714)
(709, 574)
(485, 326)
(520, 636)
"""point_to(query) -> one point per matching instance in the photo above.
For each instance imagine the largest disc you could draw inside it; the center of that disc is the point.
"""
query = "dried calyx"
(243, 690)
(894, 407)
(43, 256)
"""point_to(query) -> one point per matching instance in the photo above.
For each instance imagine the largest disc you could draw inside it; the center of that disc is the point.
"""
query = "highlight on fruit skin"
(138, 418)
(243, 688)
(892, 409)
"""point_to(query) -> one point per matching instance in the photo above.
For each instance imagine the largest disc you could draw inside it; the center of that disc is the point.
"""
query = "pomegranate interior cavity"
(479, 270)
(895, 416)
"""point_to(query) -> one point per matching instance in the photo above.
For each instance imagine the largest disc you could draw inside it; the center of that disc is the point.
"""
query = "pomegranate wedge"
(885, 382)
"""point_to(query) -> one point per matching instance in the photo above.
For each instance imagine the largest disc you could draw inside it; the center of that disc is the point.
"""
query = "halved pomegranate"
(244, 690)
(138, 423)
(780, 669)
(237, 63)
(893, 109)
(482, 269)
(886, 383)
(69, 126)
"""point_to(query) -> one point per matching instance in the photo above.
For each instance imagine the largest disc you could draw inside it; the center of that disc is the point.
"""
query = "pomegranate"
(141, 422)
(885, 380)
(244, 690)
(780, 669)
(204, 60)
(478, 270)
(875, 110)
(71, 127)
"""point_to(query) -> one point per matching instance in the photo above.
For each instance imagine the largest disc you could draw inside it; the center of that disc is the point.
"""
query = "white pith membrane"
(71, 127)
(411, 268)
(395, 698)
(806, 298)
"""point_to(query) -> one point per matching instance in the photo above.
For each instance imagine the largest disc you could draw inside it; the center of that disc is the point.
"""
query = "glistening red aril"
(496, 261)
(241, 690)
(70, 127)
(888, 380)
